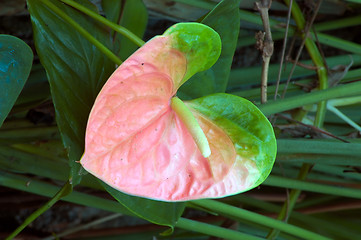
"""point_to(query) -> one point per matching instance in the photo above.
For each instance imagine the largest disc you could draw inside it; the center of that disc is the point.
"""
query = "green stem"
(212, 230)
(192, 125)
(243, 214)
(122, 30)
(65, 190)
(281, 105)
(83, 32)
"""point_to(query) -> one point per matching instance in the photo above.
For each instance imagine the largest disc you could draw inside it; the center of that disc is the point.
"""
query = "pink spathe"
(137, 144)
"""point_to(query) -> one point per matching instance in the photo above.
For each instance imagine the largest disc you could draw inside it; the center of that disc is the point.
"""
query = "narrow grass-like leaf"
(347, 90)
(257, 218)
(277, 181)
(41, 188)
(319, 147)
(241, 77)
(213, 230)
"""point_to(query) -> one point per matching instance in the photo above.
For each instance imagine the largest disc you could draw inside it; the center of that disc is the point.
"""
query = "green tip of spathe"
(200, 44)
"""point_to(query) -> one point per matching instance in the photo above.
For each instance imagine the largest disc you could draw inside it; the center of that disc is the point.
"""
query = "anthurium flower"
(143, 140)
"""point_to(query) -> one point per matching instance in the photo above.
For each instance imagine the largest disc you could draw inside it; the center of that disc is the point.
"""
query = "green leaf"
(16, 59)
(225, 20)
(35, 91)
(132, 15)
(162, 213)
(249, 130)
(76, 70)
(200, 44)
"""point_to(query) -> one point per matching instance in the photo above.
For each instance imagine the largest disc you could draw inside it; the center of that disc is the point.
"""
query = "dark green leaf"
(131, 15)
(225, 20)
(162, 213)
(75, 68)
(35, 91)
(16, 59)
(244, 123)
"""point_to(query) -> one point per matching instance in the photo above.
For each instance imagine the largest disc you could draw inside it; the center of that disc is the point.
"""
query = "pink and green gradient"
(138, 142)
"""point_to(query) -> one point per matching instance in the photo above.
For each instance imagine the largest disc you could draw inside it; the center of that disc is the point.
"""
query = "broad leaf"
(16, 59)
(131, 14)
(162, 213)
(76, 70)
(225, 20)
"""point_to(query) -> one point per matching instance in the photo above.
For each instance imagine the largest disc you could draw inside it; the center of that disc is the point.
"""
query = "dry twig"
(265, 44)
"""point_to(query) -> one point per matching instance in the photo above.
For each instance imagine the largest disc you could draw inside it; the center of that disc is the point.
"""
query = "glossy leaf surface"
(76, 70)
(215, 79)
(158, 212)
(138, 144)
(16, 59)
(131, 14)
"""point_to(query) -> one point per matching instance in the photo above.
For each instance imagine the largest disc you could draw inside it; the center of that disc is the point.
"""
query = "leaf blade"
(215, 79)
(132, 15)
(16, 59)
(158, 212)
(76, 73)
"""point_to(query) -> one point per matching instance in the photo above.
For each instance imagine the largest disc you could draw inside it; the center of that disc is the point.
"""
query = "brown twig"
(265, 44)
(313, 128)
(306, 66)
(306, 35)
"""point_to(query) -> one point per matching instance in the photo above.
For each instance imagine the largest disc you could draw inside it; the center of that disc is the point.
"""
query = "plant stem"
(192, 125)
(122, 30)
(65, 190)
(212, 230)
(266, 45)
(239, 213)
(83, 32)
